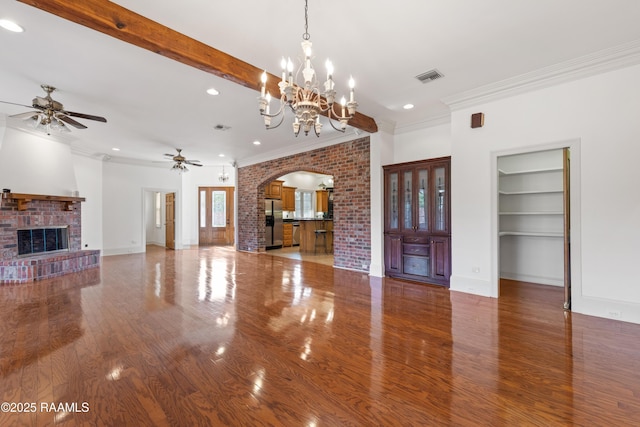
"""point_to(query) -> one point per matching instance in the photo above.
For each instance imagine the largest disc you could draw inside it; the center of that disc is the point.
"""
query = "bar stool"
(320, 233)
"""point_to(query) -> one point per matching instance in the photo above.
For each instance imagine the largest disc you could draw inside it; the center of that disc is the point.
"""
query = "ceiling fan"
(181, 161)
(51, 115)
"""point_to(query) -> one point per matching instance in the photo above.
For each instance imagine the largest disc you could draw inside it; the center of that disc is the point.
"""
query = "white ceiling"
(154, 104)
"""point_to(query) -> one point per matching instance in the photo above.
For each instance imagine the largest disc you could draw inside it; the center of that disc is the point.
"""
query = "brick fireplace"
(20, 213)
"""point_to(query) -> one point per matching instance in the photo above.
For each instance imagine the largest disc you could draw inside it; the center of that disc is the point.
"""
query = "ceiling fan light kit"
(306, 101)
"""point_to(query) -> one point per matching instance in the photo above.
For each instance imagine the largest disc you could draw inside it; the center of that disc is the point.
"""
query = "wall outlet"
(475, 269)
(614, 314)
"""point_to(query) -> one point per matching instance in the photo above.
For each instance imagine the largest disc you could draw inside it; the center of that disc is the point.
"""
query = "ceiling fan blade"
(26, 115)
(190, 162)
(86, 116)
(169, 155)
(20, 105)
(70, 121)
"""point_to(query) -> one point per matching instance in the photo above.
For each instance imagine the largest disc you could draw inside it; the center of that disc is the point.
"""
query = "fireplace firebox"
(33, 241)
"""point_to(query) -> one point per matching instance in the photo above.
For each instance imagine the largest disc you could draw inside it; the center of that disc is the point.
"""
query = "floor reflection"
(211, 336)
(41, 317)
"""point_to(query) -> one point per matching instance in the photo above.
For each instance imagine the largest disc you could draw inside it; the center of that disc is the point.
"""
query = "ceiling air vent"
(429, 76)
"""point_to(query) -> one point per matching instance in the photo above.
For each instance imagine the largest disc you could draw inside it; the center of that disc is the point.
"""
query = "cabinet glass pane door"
(393, 208)
(423, 200)
(440, 219)
(408, 211)
(219, 208)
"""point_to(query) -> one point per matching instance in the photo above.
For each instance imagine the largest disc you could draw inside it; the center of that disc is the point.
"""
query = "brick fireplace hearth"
(20, 212)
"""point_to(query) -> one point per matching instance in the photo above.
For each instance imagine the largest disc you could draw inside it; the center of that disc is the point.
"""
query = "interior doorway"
(534, 220)
(216, 216)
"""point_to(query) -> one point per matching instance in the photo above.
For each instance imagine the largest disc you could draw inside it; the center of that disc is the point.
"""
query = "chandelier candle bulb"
(283, 64)
(263, 79)
(268, 102)
(290, 69)
(352, 84)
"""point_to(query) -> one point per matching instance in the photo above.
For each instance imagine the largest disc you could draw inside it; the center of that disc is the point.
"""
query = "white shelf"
(531, 171)
(519, 193)
(531, 233)
(531, 213)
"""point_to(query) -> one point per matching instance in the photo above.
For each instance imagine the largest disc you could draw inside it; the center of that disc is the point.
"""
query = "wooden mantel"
(24, 199)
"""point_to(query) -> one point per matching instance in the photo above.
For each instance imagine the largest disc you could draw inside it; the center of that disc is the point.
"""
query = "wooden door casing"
(220, 234)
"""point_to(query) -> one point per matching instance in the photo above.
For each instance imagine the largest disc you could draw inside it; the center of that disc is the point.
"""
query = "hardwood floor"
(217, 337)
(294, 253)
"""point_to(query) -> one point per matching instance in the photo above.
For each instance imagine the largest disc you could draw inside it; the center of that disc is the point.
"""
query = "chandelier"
(222, 176)
(305, 100)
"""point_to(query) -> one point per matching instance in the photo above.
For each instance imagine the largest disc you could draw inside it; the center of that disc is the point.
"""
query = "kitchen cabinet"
(287, 239)
(273, 190)
(288, 199)
(417, 221)
(322, 201)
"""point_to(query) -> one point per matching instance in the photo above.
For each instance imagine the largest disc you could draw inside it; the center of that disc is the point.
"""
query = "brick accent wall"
(349, 163)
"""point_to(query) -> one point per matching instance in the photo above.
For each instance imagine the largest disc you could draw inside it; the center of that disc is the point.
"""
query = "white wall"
(34, 164)
(421, 144)
(124, 187)
(88, 172)
(598, 118)
(382, 146)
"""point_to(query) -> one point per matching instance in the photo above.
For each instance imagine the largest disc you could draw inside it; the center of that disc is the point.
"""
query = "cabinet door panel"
(422, 200)
(407, 201)
(441, 196)
(440, 258)
(393, 200)
(416, 265)
(409, 249)
(393, 254)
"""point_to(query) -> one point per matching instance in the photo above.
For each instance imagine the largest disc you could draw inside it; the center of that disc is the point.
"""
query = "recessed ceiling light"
(11, 26)
(115, 149)
(256, 142)
(408, 106)
(212, 91)
(220, 155)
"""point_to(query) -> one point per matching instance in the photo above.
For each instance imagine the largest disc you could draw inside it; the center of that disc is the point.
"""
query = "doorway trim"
(575, 214)
(178, 214)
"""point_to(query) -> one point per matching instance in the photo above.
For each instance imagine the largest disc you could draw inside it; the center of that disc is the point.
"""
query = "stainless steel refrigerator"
(273, 231)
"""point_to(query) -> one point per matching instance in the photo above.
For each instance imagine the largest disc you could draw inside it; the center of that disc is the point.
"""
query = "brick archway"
(349, 163)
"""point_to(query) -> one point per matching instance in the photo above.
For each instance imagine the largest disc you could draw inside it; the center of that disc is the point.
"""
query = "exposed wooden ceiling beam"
(116, 21)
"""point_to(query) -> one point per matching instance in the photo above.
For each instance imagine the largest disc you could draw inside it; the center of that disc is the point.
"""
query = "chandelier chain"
(306, 35)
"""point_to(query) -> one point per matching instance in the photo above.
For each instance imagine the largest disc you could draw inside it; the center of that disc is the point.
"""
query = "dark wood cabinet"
(417, 221)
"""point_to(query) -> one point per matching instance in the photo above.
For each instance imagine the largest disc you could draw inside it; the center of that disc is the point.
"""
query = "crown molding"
(610, 59)
(427, 122)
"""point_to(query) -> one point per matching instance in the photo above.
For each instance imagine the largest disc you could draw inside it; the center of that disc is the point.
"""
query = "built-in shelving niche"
(531, 217)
